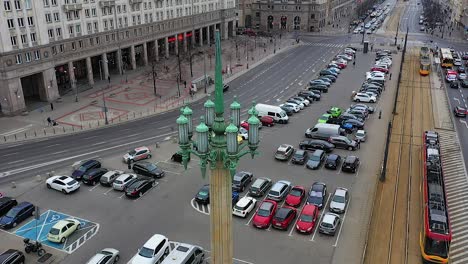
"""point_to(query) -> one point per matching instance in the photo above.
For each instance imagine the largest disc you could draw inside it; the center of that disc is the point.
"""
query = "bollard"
(54, 130)
(38, 178)
(15, 137)
(133, 114)
(35, 134)
(73, 128)
(44, 132)
(4, 137)
(13, 185)
(25, 135)
(63, 129)
(380, 114)
(157, 145)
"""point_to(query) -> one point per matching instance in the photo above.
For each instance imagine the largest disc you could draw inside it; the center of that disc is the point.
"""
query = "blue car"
(84, 168)
(348, 127)
(16, 215)
(235, 198)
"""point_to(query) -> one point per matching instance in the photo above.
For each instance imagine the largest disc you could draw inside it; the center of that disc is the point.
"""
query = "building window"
(17, 5)
(33, 37)
(54, 2)
(89, 26)
(97, 40)
(37, 55)
(86, 12)
(30, 21)
(91, 41)
(11, 23)
(13, 41)
(24, 39)
(56, 17)
(105, 24)
(19, 59)
(27, 4)
(46, 3)
(27, 56)
(80, 44)
(58, 32)
(51, 33)
(20, 22)
(104, 11)
(54, 50)
(107, 38)
(62, 48)
(73, 45)
(124, 8)
(78, 29)
(118, 9)
(93, 12)
(48, 18)
(96, 26)
(70, 30)
(77, 14)
(6, 5)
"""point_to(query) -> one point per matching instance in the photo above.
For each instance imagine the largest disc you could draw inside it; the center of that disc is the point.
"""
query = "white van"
(324, 131)
(278, 114)
(185, 254)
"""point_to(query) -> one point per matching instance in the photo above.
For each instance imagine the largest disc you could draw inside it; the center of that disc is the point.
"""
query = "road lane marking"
(94, 187)
(152, 187)
(16, 161)
(19, 130)
(97, 136)
(110, 189)
(342, 222)
(99, 143)
(320, 219)
(58, 152)
(463, 122)
(9, 154)
(456, 99)
(52, 145)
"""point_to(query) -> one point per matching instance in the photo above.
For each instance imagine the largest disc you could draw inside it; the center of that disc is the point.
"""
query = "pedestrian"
(372, 47)
(354, 63)
(390, 76)
(108, 78)
(185, 84)
(51, 106)
(49, 121)
(129, 164)
(380, 114)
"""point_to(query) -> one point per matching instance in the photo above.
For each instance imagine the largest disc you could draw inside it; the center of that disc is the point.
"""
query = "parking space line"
(342, 222)
(156, 185)
(94, 187)
(120, 197)
(320, 220)
(110, 189)
(299, 209)
(258, 204)
(44, 223)
(339, 170)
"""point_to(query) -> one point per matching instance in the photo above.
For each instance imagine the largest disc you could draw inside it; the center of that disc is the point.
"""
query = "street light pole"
(154, 78)
(217, 145)
(106, 121)
(204, 69)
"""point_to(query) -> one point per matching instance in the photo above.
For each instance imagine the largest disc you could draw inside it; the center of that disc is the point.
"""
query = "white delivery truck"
(324, 131)
(278, 114)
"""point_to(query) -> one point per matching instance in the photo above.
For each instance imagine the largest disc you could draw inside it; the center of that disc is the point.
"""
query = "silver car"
(109, 177)
(123, 180)
(339, 201)
(105, 256)
(329, 224)
(361, 136)
(279, 190)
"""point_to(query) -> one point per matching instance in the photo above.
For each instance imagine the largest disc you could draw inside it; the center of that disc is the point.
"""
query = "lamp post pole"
(217, 145)
(106, 121)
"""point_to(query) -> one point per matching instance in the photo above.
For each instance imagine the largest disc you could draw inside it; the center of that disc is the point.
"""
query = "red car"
(284, 217)
(295, 196)
(267, 121)
(307, 219)
(379, 69)
(264, 214)
(341, 65)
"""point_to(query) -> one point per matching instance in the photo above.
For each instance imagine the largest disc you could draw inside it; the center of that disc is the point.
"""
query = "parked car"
(279, 190)
(319, 82)
(329, 224)
(203, 195)
(300, 156)
(328, 72)
(333, 161)
(288, 109)
(295, 107)
(284, 217)
(139, 187)
(62, 230)
(316, 144)
(454, 84)
(359, 112)
(92, 177)
(62, 184)
(12, 256)
(307, 219)
(109, 177)
(459, 111)
(356, 124)
(295, 196)
(297, 102)
(105, 256)
(324, 118)
(244, 206)
(464, 83)
(317, 194)
(350, 164)
(16, 215)
(137, 154)
(361, 136)
(339, 201)
(155, 250)
(318, 88)
(123, 180)
(309, 95)
(85, 167)
(148, 169)
(6, 203)
(241, 180)
(335, 111)
(260, 187)
(363, 97)
(316, 159)
(284, 152)
(267, 121)
(343, 142)
(264, 214)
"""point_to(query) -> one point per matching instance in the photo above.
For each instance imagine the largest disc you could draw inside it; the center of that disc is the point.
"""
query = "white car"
(381, 65)
(462, 76)
(295, 107)
(120, 183)
(302, 100)
(372, 94)
(244, 133)
(385, 61)
(374, 74)
(244, 206)
(363, 97)
(155, 250)
(339, 201)
(357, 31)
(105, 256)
(361, 136)
(137, 154)
(64, 184)
(350, 50)
(457, 62)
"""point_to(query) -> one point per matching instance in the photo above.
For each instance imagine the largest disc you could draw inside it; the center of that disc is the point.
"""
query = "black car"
(12, 256)
(329, 76)
(454, 85)
(148, 169)
(203, 195)
(139, 187)
(346, 116)
(225, 87)
(333, 161)
(328, 72)
(336, 120)
(372, 85)
(316, 144)
(299, 157)
(6, 203)
(241, 180)
(370, 89)
(309, 94)
(288, 109)
(317, 194)
(316, 159)
(464, 83)
(461, 69)
(326, 78)
(350, 164)
(343, 142)
(85, 167)
(16, 215)
(318, 87)
(93, 176)
(356, 123)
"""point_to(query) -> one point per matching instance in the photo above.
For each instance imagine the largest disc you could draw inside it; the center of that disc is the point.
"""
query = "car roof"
(154, 241)
(61, 223)
(329, 218)
(333, 157)
(300, 152)
(318, 186)
(65, 179)
(259, 181)
(124, 176)
(6, 199)
(241, 174)
(309, 209)
(350, 158)
(283, 211)
(24, 204)
(283, 147)
(317, 152)
(341, 191)
(141, 148)
(266, 205)
(89, 162)
(244, 201)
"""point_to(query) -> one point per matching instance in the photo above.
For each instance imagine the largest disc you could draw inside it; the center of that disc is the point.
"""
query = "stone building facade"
(48, 46)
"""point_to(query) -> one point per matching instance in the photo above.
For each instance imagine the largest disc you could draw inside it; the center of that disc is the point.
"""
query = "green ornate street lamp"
(216, 143)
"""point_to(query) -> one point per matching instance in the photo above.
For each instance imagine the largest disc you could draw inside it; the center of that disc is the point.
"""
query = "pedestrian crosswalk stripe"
(455, 180)
(329, 45)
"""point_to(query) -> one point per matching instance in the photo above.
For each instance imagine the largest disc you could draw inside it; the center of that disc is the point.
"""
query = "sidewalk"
(132, 95)
(339, 27)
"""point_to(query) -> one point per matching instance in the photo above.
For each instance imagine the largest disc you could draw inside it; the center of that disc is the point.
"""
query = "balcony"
(106, 3)
(135, 2)
(72, 7)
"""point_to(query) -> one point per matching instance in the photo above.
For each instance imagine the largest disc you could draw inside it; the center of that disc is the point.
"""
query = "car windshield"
(315, 194)
(132, 153)
(279, 152)
(361, 134)
(118, 182)
(306, 218)
(146, 252)
(298, 155)
(263, 212)
(82, 168)
(347, 140)
(13, 212)
(338, 199)
(239, 207)
(295, 192)
(324, 224)
(152, 167)
(54, 231)
(315, 158)
(72, 182)
(236, 181)
(203, 193)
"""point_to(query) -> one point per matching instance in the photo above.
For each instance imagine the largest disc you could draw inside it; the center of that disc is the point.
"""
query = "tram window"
(436, 247)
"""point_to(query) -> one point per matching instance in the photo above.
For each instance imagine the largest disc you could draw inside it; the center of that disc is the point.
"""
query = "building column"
(225, 30)
(50, 88)
(201, 37)
(185, 41)
(71, 74)
(119, 61)
(193, 39)
(166, 45)
(105, 66)
(89, 68)
(156, 50)
(176, 44)
(145, 54)
(132, 57)
(208, 35)
(11, 96)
